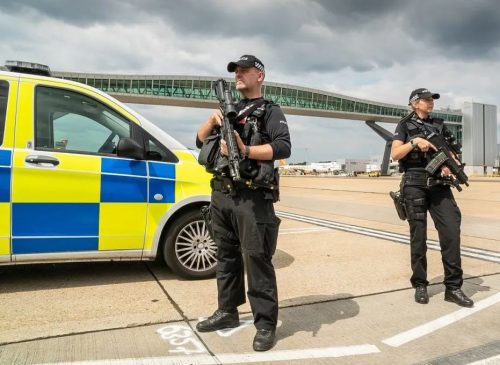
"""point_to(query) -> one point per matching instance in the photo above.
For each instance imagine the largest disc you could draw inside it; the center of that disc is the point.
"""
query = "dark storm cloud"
(359, 10)
(210, 18)
(79, 13)
(462, 28)
(307, 36)
(230, 19)
(369, 34)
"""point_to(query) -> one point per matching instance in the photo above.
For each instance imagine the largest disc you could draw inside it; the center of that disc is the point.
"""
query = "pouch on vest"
(209, 152)
(249, 169)
(265, 175)
(272, 190)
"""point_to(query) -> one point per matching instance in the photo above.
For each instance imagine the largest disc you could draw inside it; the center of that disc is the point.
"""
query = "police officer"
(243, 217)
(424, 193)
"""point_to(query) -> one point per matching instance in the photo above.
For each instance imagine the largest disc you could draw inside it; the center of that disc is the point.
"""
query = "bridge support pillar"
(387, 136)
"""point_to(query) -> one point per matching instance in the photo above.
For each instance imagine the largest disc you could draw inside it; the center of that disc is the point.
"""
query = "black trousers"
(246, 226)
(439, 201)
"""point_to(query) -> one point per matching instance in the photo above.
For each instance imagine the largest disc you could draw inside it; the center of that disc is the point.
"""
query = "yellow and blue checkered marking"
(161, 181)
(55, 219)
(123, 180)
(5, 196)
(54, 227)
(116, 221)
(5, 175)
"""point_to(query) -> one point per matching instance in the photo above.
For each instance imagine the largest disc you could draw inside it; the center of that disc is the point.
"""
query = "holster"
(207, 218)
(276, 191)
(399, 204)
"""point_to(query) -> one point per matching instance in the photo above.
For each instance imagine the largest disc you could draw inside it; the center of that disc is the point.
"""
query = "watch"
(247, 151)
(412, 143)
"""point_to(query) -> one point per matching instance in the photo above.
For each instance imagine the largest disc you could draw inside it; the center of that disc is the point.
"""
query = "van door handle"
(39, 160)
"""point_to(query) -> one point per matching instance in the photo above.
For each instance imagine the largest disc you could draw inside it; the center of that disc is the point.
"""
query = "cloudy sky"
(378, 50)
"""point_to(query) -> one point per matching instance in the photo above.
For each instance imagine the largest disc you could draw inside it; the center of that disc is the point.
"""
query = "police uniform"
(244, 221)
(423, 193)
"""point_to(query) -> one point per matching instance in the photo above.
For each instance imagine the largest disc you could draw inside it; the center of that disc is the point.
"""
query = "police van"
(83, 177)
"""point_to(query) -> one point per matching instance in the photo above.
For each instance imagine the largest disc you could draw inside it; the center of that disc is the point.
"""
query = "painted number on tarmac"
(182, 339)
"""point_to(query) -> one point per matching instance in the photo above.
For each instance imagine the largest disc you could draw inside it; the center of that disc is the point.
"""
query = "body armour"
(253, 132)
(412, 128)
(258, 122)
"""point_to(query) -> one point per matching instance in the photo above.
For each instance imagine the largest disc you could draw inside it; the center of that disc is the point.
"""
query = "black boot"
(457, 296)
(218, 321)
(264, 339)
(421, 295)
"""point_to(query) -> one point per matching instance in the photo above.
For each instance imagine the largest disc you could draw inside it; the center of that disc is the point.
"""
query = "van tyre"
(189, 250)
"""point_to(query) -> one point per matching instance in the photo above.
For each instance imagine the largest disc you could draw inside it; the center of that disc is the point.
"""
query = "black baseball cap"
(247, 60)
(422, 93)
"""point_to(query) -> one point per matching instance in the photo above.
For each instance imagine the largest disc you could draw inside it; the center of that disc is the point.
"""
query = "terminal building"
(479, 146)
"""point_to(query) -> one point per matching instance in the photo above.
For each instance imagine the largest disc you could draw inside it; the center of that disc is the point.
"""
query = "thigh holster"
(416, 209)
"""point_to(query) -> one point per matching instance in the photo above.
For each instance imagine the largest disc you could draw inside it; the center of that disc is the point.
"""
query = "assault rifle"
(445, 157)
(228, 109)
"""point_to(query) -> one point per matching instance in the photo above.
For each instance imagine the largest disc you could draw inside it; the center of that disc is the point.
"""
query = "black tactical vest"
(415, 127)
(253, 132)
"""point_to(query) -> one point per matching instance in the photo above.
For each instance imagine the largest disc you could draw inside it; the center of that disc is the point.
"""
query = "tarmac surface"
(343, 276)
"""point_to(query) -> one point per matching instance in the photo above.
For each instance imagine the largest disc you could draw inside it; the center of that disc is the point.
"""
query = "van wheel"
(189, 250)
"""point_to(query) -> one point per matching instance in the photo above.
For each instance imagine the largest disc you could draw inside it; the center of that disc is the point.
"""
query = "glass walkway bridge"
(196, 91)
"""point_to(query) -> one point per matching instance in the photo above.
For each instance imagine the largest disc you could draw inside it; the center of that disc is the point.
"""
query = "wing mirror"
(129, 148)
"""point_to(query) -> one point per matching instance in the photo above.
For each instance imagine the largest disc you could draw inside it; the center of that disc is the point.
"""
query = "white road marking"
(440, 322)
(486, 255)
(243, 358)
(302, 230)
(302, 354)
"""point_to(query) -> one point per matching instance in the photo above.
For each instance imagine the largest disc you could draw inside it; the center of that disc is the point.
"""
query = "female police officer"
(423, 193)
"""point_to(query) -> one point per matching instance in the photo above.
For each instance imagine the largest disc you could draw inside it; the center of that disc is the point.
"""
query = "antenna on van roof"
(28, 68)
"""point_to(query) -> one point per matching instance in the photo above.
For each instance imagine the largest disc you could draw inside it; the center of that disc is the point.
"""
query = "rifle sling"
(249, 109)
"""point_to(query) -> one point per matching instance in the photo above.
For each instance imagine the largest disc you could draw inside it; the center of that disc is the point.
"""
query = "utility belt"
(423, 179)
(226, 185)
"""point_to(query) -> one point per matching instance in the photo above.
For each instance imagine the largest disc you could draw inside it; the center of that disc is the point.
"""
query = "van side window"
(72, 122)
(155, 151)
(4, 95)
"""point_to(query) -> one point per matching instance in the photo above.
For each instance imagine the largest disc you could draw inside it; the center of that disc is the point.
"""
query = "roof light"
(28, 67)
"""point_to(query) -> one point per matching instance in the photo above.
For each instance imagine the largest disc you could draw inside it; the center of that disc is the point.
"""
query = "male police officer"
(423, 193)
(243, 218)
